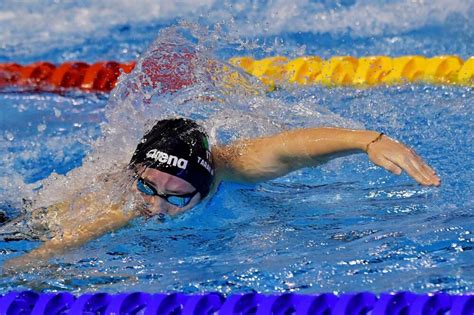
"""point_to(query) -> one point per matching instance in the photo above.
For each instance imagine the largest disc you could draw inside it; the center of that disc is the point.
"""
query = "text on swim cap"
(163, 157)
(206, 165)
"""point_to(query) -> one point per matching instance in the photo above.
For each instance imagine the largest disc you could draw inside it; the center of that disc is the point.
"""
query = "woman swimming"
(173, 169)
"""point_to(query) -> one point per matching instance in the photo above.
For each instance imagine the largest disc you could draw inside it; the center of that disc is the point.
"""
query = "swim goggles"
(176, 200)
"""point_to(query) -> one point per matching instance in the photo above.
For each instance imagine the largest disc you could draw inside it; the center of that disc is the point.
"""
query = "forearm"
(51, 248)
(304, 146)
(43, 253)
(72, 237)
(254, 160)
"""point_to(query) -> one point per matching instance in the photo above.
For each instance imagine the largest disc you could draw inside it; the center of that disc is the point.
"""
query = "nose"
(154, 205)
(159, 205)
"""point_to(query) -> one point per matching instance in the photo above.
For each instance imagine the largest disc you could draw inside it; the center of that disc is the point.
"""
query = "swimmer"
(173, 169)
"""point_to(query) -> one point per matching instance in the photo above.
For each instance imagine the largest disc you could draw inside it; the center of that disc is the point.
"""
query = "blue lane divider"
(140, 303)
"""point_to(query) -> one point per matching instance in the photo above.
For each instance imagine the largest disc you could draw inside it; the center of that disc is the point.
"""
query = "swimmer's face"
(166, 184)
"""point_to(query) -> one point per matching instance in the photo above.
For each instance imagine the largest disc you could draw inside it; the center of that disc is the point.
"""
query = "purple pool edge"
(403, 303)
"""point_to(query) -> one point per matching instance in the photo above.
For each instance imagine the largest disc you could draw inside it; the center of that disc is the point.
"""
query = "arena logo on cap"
(163, 157)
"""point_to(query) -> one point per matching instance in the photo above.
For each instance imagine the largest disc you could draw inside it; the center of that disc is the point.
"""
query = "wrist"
(379, 137)
(363, 138)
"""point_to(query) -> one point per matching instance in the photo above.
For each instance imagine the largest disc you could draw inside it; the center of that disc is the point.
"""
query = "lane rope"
(275, 72)
(29, 302)
(44, 76)
(359, 72)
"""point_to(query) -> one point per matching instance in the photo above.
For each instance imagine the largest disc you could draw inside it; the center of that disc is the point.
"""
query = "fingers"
(395, 157)
(423, 164)
(415, 172)
(417, 169)
(388, 165)
(424, 169)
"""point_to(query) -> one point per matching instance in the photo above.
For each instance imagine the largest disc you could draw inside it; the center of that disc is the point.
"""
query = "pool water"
(345, 226)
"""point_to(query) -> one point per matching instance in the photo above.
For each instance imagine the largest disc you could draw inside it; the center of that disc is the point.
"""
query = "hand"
(395, 157)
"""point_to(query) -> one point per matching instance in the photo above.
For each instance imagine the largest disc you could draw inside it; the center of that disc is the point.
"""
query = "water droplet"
(41, 127)
(9, 136)
(57, 112)
(21, 108)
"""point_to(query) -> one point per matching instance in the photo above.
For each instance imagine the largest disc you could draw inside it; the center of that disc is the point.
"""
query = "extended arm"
(270, 157)
(72, 236)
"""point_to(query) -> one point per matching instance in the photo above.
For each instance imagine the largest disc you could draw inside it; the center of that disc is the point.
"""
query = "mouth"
(145, 211)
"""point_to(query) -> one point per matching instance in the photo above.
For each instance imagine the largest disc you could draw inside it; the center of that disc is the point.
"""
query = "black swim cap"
(178, 147)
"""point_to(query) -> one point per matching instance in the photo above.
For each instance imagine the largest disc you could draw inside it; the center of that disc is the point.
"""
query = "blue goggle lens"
(176, 200)
(145, 188)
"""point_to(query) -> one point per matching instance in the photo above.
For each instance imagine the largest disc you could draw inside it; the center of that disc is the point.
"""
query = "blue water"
(346, 226)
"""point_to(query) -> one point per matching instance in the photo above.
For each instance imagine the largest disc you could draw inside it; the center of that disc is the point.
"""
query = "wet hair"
(178, 147)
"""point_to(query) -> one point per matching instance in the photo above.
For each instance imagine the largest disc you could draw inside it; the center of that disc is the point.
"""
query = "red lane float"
(97, 77)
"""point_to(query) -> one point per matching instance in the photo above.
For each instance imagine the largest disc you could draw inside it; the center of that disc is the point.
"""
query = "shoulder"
(224, 158)
(226, 162)
(220, 159)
